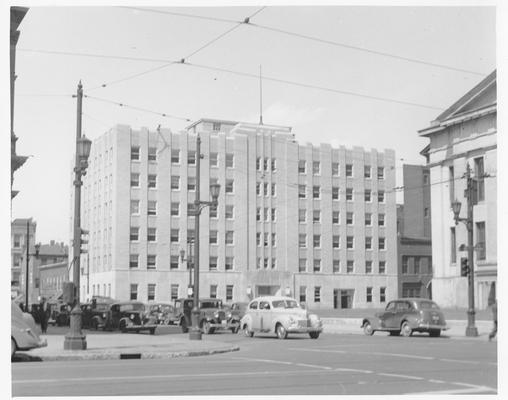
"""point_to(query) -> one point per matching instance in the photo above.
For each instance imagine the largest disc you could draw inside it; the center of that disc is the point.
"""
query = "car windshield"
(211, 304)
(285, 304)
(101, 307)
(427, 305)
(132, 307)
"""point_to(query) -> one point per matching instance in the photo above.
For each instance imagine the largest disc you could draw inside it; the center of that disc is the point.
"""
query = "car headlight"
(216, 314)
(104, 315)
(228, 314)
(131, 316)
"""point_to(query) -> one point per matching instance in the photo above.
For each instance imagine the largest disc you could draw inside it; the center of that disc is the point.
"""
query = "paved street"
(333, 364)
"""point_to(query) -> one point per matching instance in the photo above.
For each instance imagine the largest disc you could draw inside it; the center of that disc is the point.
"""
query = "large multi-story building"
(465, 134)
(314, 222)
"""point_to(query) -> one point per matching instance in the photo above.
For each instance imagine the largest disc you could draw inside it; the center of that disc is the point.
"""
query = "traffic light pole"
(471, 329)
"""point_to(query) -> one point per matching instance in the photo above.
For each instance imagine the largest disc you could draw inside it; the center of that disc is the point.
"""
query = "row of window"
(175, 182)
(316, 193)
(175, 209)
(175, 260)
(175, 291)
(318, 290)
(316, 169)
(416, 265)
(316, 217)
(350, 266)
(266, 189)
(174, 236)
(175, 156)
(350, 242)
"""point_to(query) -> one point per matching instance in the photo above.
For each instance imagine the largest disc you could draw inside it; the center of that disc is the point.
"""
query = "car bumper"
(224, 324)
(308, 329)
(424, 325)
(34, 345)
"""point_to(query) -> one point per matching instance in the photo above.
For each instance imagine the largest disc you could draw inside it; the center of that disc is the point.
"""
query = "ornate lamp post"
(75, 340)
(195, 331)
(471, 329)
(28, 254)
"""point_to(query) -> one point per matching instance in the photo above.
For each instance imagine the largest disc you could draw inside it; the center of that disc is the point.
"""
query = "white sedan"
(280, 315)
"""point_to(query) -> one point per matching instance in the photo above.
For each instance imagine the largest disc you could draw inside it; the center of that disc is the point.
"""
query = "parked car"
(162, 314)
(212, 315)
(95, 312)
(24, 333)
(60, 314)
(405, 316)
(280, 315)
(125, 316)
(235, 313)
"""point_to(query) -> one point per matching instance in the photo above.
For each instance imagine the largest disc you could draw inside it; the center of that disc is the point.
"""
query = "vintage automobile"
(128, 316)
(235, 313)
(212, 315)
(405, 316)
(162, 314)
(95, 312)
(24, 333)
(60, 314)
(280, 315)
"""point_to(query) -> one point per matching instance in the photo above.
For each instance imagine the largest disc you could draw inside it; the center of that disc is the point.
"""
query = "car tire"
(246, 331)
(152, 331)
(435, 332)
(235, 329)
(405, 329)
(367, 329)
(206, 328)
(314, 335)
(281, 332)
(184, 326)
(13, 348)
(95, 325)
(122, 326)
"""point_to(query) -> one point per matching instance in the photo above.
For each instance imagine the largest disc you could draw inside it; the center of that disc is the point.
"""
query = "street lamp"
(188, 260)
(75, 340)
(471, 329)
(28, 254)
(195, 331)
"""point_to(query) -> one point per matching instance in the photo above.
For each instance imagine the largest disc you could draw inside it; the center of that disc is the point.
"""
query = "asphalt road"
(330, 365)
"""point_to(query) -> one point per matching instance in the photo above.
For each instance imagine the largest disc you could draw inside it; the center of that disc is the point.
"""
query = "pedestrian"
(44, 312)
(494, 317)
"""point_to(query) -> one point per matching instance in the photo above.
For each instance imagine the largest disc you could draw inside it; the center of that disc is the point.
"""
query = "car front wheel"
(281, 332)
(405, 329)
(314, 335)
(435, 332)
(246, 331)
(367, 329)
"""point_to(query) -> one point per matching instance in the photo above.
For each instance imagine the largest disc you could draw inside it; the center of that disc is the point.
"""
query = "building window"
(175, 182)
(274, 263)
(336, 266)
(17, 240)
(451, 183)
(381, 243)
(381, 196)
(426, 212)
(369, 295)
(266, 238)
(274, 240)
(317, 294)
(368, 243)
(214, 160)
(267, 217)
(258, 214)
(366, 171)
(174, 291)
(152, 154)
(191, 157)
(213, 237)
(480, 241)
(229, 211)
(274, 165)
(229, 292)
(335, 217)
(258, 238)
(349, 218)
(302, 192)
(316, 167)
(315, 192)
(317, 265)
(135, 153)
(302, 166)
(134, 291)
(191, 208)
(191, 183)
(381, 219)
(133, 261)
(368, 219)
(216, 126)
(134, 236)
(134, 179)
(274, 193)
(368, 267)
(258, 188)
(151, 291)
(174, 235)
(335, 193)
(350, 266)
(175, 209)
(258, 163)
(228, 265)
(349, 194)
(175, 156)
(229, 160)
(405, 268)
(316, 241)
(302, 215)
(191, 234)
(479, 173)
(380, 172)
(335, 169)
(382, 294)
(229, 237)
(302, 265)
(213, 263)
(134, 206)
(266, 161)
(336, 241)
(350, 242)
(152, 207)
(150, 261)
(302, 240)
(453, 246)
(151, 234)
(213, 291)
(229, 185)
(382, 267)
(265, 189)
(173, 262)
(303, 294)
(349, 170)
(316, 216)
(367, 195)
(416, 266)
(265, 263)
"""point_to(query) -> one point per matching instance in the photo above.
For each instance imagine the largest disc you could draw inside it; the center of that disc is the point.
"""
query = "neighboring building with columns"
(314, 222)
(466, 133)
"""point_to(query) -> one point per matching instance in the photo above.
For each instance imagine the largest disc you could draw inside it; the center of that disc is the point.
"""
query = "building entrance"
(346, 298)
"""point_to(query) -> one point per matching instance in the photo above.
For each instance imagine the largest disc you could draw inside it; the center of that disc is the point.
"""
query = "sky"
(345, 96)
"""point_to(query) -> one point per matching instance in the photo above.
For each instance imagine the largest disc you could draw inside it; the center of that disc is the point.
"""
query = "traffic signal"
(83, 240)
(464, 267)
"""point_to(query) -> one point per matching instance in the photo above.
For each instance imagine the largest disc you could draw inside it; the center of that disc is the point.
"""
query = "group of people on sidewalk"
(40, 312)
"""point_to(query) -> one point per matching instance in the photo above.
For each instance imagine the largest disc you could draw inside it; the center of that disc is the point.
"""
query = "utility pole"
(471, 329)
(27, 262)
